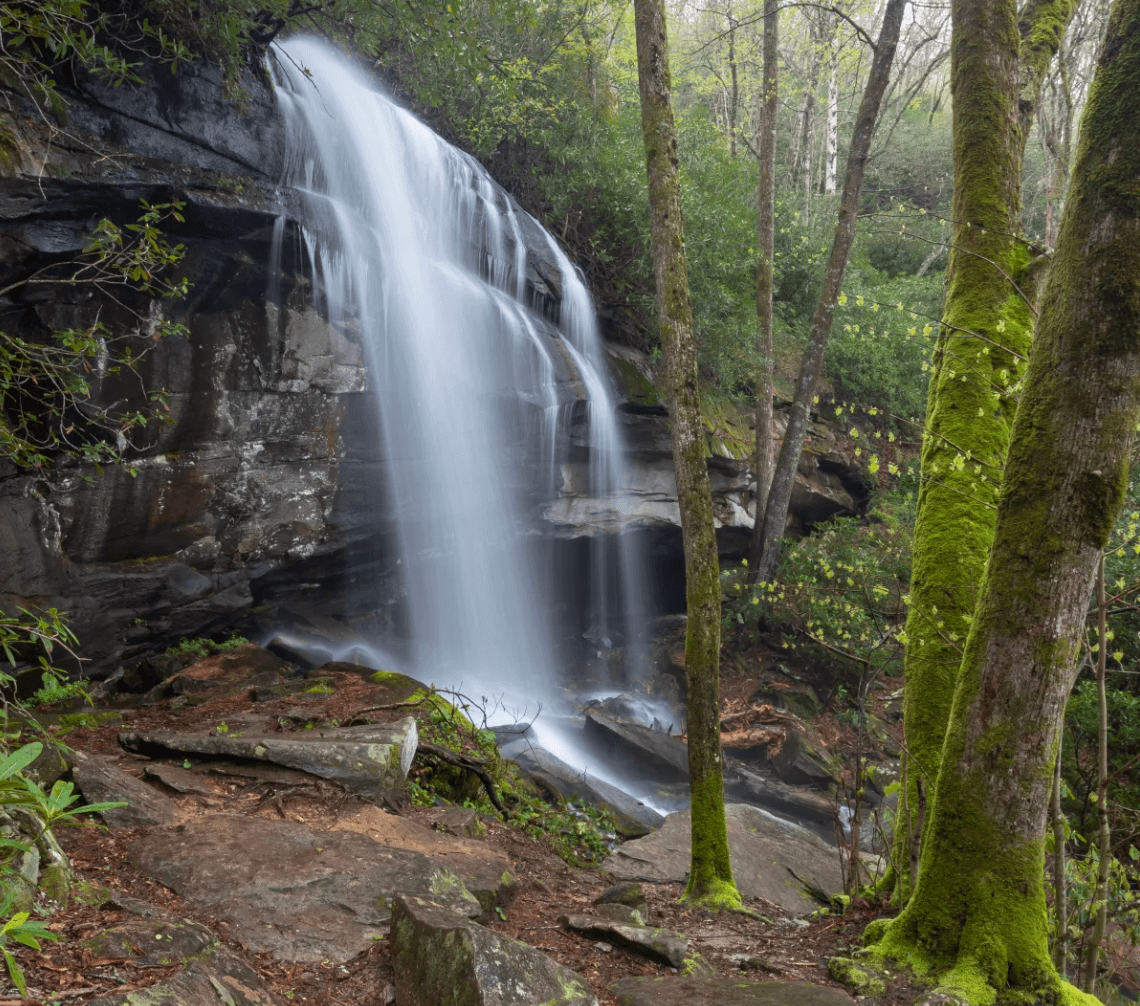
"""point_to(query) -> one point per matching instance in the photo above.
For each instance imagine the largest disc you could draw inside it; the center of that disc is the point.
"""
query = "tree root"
(469, 764)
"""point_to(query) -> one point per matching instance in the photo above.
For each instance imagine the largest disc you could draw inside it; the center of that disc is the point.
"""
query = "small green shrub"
(200, 647)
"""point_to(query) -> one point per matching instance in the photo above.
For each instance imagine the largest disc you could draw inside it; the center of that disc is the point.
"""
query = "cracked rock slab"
(298, 894)
(442, 959)
(371, 761)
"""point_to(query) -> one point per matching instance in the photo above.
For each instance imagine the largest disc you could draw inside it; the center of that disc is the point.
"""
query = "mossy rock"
(440, 957)
(859, 980)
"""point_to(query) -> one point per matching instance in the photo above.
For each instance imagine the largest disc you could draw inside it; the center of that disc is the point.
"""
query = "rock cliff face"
(259, 498)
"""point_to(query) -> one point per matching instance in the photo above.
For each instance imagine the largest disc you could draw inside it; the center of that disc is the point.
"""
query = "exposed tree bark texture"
(978, 909)
(783, 480)
(710, 878)
(765, 279)
(997, 67)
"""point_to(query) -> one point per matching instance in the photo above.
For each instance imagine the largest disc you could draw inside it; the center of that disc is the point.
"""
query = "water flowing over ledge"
(484, 387)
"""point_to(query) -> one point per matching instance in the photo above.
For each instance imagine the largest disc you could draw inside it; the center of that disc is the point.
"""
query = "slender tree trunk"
(765, 279)
(780, 496)
(831, 166)
(977, 917)
(710, 877)
(1060, 891)
(801, 160)
(998, 64)
(734, 95)
(1104, 844)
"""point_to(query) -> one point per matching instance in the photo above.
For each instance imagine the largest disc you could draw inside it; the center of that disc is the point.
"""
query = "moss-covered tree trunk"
(978, 908)
(710, 878)
(811, 367)
(765, 278)
(998, 63)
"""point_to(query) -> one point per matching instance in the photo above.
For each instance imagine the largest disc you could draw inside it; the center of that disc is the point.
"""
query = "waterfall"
(422, 257)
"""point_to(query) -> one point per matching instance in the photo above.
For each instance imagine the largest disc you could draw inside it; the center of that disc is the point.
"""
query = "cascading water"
(410, 243)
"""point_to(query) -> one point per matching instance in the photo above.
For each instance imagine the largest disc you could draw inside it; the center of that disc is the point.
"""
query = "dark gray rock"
(297, 894)
(627, 895)
(706, 990)
(767, 857)
(656, 944)
(621, 913)
(653, 751)
(371, 761)
(440, 957)
(100, 780)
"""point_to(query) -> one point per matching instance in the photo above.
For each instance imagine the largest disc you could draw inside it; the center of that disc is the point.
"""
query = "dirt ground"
(780, 949)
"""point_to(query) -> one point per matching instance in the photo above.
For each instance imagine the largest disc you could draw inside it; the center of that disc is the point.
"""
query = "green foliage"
(47, 409)
(39, 37)
(839, 593)
(201, 647)
(20, 929)
(583, 835)
(882, 338)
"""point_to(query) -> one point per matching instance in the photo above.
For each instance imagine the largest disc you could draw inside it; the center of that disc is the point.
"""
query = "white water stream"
(413, 247)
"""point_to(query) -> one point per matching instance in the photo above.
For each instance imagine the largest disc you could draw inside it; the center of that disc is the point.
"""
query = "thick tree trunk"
(780, 496)
(765, 280)
(997, 68)
(710, 878)
(979, 906)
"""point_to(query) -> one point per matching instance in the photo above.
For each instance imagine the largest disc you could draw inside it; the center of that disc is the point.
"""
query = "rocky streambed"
(269, 854)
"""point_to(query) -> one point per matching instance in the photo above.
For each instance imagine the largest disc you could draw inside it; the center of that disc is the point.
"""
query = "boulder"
(443, 959)
(656, 944)
(100, 780)
(656, 753)
(298, 894)
(768, 855)
(371, 761)
(707, 990)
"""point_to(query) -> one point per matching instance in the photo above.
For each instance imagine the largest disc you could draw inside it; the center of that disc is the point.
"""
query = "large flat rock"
(442, 959)
(371, 761)
(765, 853)
(702, 990)
(298, 894)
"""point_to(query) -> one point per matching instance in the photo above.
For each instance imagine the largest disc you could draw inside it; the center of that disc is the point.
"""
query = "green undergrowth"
(581, 834)
(201, 647)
